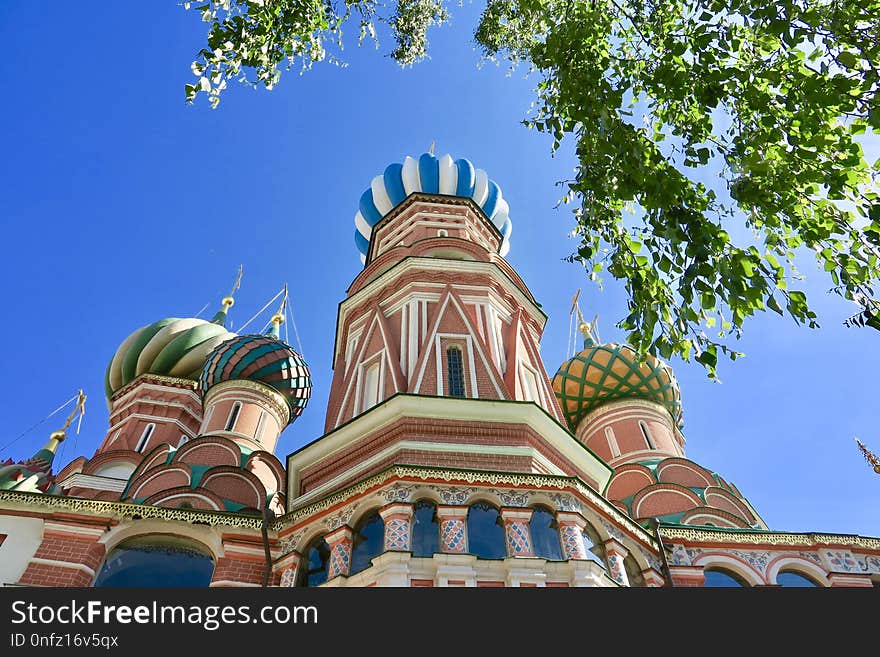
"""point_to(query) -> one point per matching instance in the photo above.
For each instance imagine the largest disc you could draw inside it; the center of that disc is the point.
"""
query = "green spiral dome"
(170, 347)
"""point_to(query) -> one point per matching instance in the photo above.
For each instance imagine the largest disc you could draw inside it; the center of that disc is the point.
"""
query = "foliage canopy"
(774, 94)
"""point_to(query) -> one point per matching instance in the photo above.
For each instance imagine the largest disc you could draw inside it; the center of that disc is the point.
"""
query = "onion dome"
(431, 175)
(263, 358)
(606, 372)
(171, 347)
(35, 474)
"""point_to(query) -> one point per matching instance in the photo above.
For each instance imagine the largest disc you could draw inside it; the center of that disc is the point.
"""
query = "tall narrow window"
(530, 385)
(426, 531)
(233, 416)
(454, 372)
(612, 442)
(647, 434)
(261, 426)
(313, 565)
(545, 534)
(371, 386)
(145, 436)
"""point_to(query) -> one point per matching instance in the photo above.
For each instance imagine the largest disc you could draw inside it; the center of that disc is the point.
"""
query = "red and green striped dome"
(264, 359)
(608, 372)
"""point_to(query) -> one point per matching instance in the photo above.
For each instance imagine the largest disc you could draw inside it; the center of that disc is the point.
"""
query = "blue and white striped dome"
(431, 175)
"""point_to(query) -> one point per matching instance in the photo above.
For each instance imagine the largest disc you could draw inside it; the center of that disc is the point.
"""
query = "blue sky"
(120, 205)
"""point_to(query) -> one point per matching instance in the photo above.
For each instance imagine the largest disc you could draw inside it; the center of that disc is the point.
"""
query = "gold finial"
(278, 317)
(870, 457)
(79, 410)
(431, 150)
(228, 300)
(589, 330)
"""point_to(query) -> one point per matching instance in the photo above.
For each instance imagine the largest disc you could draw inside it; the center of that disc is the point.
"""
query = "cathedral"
(450, 457)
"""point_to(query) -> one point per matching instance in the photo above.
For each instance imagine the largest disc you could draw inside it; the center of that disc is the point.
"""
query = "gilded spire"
(870, 457)
(431, 150)
(57, 437)
(278, 317)
(589, 330)
(228, 301)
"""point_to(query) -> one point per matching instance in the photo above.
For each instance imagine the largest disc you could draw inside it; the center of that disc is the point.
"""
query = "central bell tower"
(436, 358)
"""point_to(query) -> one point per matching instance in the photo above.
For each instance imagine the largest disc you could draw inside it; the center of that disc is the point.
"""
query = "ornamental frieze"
(697, 535)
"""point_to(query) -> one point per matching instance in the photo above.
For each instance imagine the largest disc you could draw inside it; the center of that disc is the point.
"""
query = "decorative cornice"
(275, 399)
(123, 510)
(412, 473)
(173, 381)
(756, 537)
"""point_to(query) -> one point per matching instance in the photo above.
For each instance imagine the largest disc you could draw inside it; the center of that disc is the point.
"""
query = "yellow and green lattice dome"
(602, 373)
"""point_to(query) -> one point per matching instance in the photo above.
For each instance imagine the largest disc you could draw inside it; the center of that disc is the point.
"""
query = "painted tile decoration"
(397, 534)
(454, 496)
(452, 536)
(566, 502)
(340, 559)
(288, 577)
(615, 568)
(515, 498)
(872, 564)
(810, 556)
(682, 556)
(519, 540)
(340, 518)
(613, 531)
(398, 493)
(757, 560)
(572, 540)
(842, 561)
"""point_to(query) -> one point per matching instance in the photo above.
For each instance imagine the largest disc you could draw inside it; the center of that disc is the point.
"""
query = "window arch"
(719, 577)
(156, 560)
(368, 541)
(791, 578)
(646, 433)
(426, 529)
(594, 548)
(545, 534)
(454, 372)
(313, 564)
(485, 532)
(233, 416)
(633, 571)
(145, 437)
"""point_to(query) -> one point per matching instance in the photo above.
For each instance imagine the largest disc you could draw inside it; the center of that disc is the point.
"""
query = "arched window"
(156, 561)
(633, 572)
(789, 578)
(720, 577)
(145, 436)
(426, 530)
(261, 427)
(612, 442)
(485, 532)
(545, 534)
(595, 549)
(647, 434)
(233, 416)
(312, 569)
(368, 541)
(372, 381)
(454, 372)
